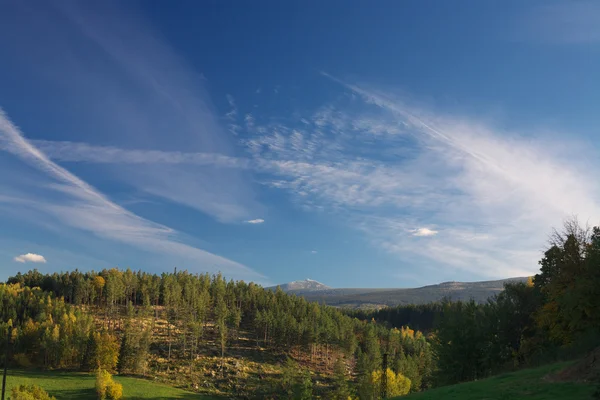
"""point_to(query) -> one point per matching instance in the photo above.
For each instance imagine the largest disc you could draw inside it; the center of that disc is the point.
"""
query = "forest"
(206, 334)
(210, 335)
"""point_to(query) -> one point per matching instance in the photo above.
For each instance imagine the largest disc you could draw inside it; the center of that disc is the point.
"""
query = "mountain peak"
(305, 285)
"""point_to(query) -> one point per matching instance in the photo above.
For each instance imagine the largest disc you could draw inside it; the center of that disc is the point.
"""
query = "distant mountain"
(376, 298)
(307, 285)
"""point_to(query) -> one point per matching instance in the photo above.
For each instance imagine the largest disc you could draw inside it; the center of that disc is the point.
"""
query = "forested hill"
(376, 298)
(203, 333)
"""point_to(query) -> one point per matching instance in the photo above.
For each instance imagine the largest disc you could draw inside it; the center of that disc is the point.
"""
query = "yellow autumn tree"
(103, 351)
(106, 387)
(98, 283)
(397, 384)
(30, 392)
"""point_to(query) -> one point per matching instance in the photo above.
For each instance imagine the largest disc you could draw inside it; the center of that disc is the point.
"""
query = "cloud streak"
(84, 152)
(83, 207)
(145, 97)
(255, 221)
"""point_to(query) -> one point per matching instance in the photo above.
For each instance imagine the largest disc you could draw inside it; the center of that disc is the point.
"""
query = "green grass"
(80, 386)
(525, 384)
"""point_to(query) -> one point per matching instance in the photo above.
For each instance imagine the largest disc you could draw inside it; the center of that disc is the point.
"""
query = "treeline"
(422, 317)
(554, 315)
(127, 305)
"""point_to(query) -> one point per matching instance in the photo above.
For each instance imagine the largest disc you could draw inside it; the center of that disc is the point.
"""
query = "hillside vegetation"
(201, 333)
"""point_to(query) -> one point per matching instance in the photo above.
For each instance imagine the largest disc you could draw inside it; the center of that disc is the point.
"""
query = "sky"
(360, 144)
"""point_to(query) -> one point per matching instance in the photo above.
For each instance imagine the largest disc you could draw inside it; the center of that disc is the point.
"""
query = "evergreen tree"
(341, 389)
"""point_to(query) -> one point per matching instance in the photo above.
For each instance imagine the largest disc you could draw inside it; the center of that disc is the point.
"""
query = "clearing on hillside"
(527, 384)
(81, 386)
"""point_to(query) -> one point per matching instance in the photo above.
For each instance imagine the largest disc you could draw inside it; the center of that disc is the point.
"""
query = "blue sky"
(361, 144)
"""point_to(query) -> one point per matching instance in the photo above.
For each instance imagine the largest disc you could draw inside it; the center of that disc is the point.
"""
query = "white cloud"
(84, 152)
(30, 257)
(313, 252)
(255, 221)
(424, 232)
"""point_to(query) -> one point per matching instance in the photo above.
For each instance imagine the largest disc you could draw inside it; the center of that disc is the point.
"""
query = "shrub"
(115, 391)
(106, 387)
(22, 360)
(29, 392)
(397, 384)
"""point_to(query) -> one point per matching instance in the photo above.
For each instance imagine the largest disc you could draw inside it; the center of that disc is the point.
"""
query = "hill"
(530, 384)
(298, 287)
(375, 298)
(194, 331)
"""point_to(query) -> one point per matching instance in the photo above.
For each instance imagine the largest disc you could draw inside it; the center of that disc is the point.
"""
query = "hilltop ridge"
(304, 285)
(379, 297)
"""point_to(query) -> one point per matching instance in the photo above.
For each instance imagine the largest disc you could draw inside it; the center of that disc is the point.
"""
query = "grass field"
(75, 385)
(527, 384)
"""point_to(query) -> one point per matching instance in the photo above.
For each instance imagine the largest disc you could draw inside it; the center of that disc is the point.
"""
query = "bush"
(106, 387)
(115, 391)
(397, 384)
(29, 392)
(22, 360)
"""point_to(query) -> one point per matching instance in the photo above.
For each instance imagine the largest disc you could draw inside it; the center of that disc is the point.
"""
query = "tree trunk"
(169, 335)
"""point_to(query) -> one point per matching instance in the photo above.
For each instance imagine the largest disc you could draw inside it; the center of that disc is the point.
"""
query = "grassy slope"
(76, 385)
(525, 384)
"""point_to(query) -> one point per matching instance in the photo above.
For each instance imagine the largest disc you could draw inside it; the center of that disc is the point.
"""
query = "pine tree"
(304, 388)
(341, 390)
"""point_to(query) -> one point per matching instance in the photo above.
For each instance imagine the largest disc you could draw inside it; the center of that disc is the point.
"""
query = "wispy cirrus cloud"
(493, 195)
(66, 151)
(505, 190)
(231, 116)
(81, 206)
(132, 91)
(30, 257)
(395, 171)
